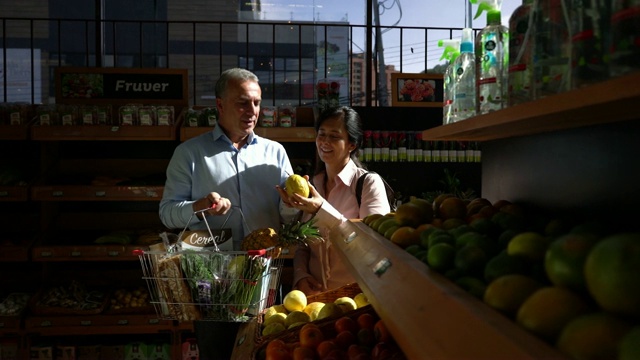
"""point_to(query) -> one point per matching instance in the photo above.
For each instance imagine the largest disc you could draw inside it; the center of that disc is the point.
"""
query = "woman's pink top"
(320, 259)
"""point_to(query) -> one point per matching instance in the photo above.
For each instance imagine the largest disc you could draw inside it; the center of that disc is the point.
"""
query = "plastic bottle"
(625, 37)
(464, 88)
(450, 53)
(590, 20)
(551, 51)
(520, 67)
(492, 59)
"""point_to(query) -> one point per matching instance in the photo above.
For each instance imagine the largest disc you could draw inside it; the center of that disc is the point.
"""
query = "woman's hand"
(214, 203)
(311, 204)
(309, 286)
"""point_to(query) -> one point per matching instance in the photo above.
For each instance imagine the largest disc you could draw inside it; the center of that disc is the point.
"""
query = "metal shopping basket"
(216, 285)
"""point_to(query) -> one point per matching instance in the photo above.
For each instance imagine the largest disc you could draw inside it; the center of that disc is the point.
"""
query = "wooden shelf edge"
(429, 316)
(613, 100)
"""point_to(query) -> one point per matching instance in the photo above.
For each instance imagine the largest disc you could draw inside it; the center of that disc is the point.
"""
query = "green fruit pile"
(576, 287)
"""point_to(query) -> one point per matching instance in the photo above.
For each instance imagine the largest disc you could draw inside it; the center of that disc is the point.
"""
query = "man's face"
(239, 109)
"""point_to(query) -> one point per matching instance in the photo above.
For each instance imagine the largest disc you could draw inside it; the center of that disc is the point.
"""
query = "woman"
(318, 267)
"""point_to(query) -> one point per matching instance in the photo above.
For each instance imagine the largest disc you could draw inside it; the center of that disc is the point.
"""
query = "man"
(232, 172)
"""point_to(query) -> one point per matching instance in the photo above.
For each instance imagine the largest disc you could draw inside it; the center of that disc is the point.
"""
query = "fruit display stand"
(249, 339)
(429, 316)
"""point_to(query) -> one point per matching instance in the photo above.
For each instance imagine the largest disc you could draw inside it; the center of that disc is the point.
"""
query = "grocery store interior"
(528, 244)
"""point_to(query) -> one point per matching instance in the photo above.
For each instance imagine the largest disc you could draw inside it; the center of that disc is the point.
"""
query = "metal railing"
(289, 57)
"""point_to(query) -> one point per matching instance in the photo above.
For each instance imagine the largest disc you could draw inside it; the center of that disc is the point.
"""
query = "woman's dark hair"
(352, 123)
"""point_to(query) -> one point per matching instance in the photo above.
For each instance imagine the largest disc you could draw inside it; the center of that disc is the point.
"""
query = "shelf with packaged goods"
(613, 100)
(429, 316)
(103, 132)
(280, 134)
(96, 324)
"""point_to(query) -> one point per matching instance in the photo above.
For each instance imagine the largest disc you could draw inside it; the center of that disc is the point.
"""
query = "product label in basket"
(202, 239)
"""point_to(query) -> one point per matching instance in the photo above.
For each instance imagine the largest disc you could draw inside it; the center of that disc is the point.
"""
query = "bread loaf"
(174, 289)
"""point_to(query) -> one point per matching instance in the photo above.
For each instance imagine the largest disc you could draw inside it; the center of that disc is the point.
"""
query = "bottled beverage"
(427, 153)
(435, 152)
(520, 25)
(625, 37)
(551, 50)
(589, 24)
(450, 53)
(401, 140)
(464, 97)
(393, 146)
(367, 146)
(417, 144)
(492, 60)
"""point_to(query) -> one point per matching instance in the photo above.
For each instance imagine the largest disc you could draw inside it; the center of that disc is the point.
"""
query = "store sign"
(119, 84)
(142, 86)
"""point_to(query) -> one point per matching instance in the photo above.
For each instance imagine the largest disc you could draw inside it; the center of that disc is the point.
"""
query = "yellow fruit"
(629, 348)
(280, 308)
(385, 225)
(405, 236)
(270, 312)
(530, 245)
(411, 214)
(425, 205)
(611, 272)
(390, 231)
(565, 258)
(508, 292)
(593, 336)
(329, 310)
(297, 316)
(297, 184)
(275, 318)
(377, 222)
(313, 309)
(273, 329)
(361, 300)
(346, 303)
(549, 309)
(294, 300)
(370, 218)
(295, 325)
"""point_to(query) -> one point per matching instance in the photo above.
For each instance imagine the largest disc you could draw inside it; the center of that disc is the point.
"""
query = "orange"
(411, 214)
(303, 353)
(405, 236)
(437, 201)
(310, 335)
(325, 347)
(611, 272)
(593, 336)
(549, 309)
(530, 245)
(507, 293)
(452, 208)
(565, 258)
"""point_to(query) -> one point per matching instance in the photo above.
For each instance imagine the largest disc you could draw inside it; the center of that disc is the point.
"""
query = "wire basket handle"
(204, 217)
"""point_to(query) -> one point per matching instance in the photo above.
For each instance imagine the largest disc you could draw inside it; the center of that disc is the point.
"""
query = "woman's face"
(332, 142)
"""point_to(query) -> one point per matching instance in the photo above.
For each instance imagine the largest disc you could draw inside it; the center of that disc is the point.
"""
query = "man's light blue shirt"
(247, 177)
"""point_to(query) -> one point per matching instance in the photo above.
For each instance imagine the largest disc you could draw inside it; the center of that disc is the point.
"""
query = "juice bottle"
(520, 25)
(625, 37)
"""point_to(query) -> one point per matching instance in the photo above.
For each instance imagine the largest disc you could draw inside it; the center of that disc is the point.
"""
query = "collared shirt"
(246, 176)
(320, 258)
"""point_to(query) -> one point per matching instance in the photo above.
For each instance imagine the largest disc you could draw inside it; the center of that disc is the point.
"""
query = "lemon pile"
(296, 310)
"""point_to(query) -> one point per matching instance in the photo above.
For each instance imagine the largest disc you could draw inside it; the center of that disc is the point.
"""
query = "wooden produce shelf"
(89, 252)
(96, 324)
(14, 132)
(103, 132)
(613, 100)
(96, 193)
(280, 134)
(429, 316)
(14, 193)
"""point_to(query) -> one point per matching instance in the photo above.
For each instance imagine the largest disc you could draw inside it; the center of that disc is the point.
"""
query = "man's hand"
(214, 203)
